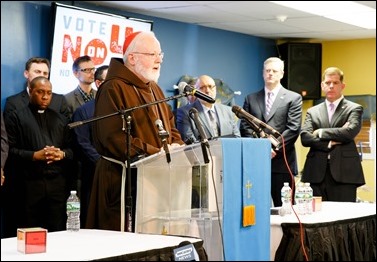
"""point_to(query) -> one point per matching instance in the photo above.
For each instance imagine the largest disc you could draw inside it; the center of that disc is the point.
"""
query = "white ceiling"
(257, 18)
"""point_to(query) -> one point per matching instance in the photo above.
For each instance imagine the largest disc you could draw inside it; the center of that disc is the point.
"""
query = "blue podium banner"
(247, 183)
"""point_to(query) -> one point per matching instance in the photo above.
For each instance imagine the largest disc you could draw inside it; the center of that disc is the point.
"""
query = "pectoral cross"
(248, 186)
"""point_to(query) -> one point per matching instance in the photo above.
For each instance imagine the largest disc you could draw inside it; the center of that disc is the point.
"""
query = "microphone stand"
(123, 113)
(128, 178)
(193, 113)
(257, 129)
(163, 136)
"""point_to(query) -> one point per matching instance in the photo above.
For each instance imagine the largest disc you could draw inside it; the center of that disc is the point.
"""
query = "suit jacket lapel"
(261, 104)
(338, 111)
(203, 118)
(220, 116)
(324, 115)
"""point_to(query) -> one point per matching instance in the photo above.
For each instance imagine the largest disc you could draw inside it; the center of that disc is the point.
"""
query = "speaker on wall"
(302, 72)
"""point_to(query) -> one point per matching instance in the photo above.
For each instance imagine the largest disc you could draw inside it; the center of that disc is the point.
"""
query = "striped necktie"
(269, 102)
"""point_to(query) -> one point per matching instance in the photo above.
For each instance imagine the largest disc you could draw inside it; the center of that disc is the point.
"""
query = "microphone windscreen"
(236, 109)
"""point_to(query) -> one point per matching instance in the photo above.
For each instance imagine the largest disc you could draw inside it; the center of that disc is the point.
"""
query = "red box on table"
(31, 240)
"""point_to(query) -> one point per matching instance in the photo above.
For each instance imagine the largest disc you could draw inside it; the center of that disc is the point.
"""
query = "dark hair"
(99, 71)
(36, 60)
(78, 61)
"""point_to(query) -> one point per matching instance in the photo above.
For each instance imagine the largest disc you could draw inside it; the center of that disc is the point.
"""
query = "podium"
(188, 197)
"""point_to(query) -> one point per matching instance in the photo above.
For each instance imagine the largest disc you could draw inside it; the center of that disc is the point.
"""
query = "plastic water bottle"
(299, 199)
(308, 198)
(286, 197)
(73, 212)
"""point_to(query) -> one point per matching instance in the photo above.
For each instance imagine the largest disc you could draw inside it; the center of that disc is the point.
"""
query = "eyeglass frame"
(210, 87)
(154, 55)
(88, 70)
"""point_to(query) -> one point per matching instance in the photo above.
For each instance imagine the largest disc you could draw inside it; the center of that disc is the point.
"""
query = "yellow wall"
(368, 191)
(357, 59)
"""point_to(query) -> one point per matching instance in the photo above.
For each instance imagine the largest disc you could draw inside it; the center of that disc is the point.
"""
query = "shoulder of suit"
(349, 102)
(56, 96)
(17, 96)
(318, 106)
(69, 94)
(222, 106)
(290, 92)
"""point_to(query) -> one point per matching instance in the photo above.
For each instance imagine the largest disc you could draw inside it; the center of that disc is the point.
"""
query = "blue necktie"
(213, 121)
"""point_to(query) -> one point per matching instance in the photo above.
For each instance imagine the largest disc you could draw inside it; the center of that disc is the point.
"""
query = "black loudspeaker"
(302, 72)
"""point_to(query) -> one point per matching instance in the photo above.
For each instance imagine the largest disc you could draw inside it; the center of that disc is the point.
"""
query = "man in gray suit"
(83, 69)
(282, 110)
(333, 165)
(217, 119)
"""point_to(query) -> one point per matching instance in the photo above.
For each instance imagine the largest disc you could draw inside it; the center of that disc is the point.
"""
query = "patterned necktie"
(213, 121)
(269, 102)
(331, 110)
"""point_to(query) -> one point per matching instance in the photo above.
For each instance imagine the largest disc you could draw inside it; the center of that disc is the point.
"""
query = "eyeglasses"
(154, 55)
(208, 86)
(88, 70)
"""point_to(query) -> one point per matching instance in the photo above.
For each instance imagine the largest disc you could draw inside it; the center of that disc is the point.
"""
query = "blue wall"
(237, 59)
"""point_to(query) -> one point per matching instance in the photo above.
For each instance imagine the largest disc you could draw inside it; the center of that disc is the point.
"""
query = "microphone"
(194, 114)
(241, 113)
(195, 92)
(163, 134)
(255, 124)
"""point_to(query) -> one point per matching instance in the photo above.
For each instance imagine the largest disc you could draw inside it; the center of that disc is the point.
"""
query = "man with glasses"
(333, 165)
(83, 69)
(130, 82)
(217, 119)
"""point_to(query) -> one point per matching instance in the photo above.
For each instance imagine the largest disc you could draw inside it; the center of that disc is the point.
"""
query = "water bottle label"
(73, 206)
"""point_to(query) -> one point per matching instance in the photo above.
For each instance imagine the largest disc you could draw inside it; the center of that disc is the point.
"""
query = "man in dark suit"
(282, 110)
(87, 154)
(35, 66)
(40, 142)
(333, 165)
(225, 122)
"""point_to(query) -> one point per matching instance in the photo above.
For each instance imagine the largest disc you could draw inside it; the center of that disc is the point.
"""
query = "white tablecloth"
(90, 244)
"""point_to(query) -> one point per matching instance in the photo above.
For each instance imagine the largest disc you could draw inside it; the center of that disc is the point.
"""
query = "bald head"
(206, 85)
(40, 92)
